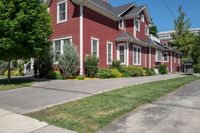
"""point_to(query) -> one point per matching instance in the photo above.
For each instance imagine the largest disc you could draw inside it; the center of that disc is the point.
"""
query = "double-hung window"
(136, 55)
(122, 53)
(95, 47)
(121, 24)
(146, 30)
(109, 53)
(62, 11)
(165, 57)
(59, 44)
(158, 56)
(137, 24)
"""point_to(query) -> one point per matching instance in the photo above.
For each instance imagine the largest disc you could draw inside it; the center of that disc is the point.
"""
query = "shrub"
(149, 71)
(54, 75)
(104, 73)
(116, 64)
(91, 66)
(162, 69)
(134, 71)
(69, 61)
(114, 73)
(197, 68)
(80, 77)
(44, 63)
(13, 72)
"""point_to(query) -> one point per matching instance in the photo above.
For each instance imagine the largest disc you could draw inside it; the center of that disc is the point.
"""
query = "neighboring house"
(110, 33)
(165, 36)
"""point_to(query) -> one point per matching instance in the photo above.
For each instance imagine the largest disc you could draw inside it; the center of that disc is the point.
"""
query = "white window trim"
(146, 30)
(96, 39)
(62, 44)
(65, 20)
(107, 43)
(157, 56)
(138, 47)
(142, 18)
(137, 29)
(118, 53)
(122, 28)
(167, 57)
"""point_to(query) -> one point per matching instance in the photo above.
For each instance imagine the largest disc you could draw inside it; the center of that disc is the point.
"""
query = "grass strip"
(95, 112)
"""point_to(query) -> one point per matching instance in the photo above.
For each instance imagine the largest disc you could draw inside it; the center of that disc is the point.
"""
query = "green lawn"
(92, 113)
(14, 84)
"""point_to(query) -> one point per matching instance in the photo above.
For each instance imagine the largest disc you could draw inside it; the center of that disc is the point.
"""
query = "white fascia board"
(126, 9)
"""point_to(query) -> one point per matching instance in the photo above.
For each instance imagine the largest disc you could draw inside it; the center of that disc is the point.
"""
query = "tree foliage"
(24, 29)
(195, 54)
(182, 38)
(153, 30)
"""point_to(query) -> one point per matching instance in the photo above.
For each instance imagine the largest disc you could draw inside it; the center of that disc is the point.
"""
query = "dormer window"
(121, 24)
(142, 18)
(137, 24)
(62, 11)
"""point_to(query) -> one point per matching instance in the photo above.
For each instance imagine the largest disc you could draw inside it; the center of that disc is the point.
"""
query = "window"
(121, 24)
(146, 30)
(137, 24)
(122, 54)
(158, 55)
(174, 57)
(62, 11)
(165, 57)
(142, 18)
(59, 45)
(137, 55)
(95, 47)
(109, 53)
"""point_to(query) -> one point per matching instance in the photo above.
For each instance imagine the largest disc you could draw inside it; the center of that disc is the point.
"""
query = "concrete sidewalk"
(15, 123)
(179, 112)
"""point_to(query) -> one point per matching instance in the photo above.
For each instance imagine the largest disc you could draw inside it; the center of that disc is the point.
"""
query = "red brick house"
(97, 28)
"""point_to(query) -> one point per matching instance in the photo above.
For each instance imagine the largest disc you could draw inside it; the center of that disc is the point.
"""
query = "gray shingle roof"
(124, 36)
(108, 7)
(136, 10)
(120, 9)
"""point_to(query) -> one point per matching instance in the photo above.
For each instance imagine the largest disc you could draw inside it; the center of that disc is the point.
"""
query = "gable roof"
(120, 9)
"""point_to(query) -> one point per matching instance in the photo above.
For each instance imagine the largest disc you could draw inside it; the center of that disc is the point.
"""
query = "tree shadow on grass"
(20, 80)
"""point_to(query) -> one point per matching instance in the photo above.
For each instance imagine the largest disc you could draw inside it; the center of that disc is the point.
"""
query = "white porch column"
(145, 57)
(127, 53)
(149, 57)
(81, 39)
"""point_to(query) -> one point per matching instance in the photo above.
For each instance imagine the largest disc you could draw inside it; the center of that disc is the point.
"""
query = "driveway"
(45, 94)
(177, 113)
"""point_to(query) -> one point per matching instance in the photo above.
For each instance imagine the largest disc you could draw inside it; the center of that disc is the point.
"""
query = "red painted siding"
(141, 34)
(101, 27)
(69, 28)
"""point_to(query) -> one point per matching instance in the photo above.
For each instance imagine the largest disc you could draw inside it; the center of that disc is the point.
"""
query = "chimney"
(106, 1)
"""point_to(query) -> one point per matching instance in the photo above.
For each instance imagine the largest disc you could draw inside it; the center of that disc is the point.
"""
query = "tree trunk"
(9, 70)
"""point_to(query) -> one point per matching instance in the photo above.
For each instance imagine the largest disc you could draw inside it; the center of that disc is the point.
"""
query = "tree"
(195, 54)
(182, 37)
(69, 61)
(153, 30)
(24, 29)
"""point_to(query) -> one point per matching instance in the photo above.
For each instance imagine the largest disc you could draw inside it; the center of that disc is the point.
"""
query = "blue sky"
(162, 18)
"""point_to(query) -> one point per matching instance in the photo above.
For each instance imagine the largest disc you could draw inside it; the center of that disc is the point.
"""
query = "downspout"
(81, 39)
(149, 57)
(171, 67)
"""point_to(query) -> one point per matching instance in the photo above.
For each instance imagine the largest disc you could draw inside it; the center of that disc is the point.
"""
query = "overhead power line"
(169, 9)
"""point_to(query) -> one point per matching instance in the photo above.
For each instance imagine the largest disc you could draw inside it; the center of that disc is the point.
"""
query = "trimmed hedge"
(108, 73)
